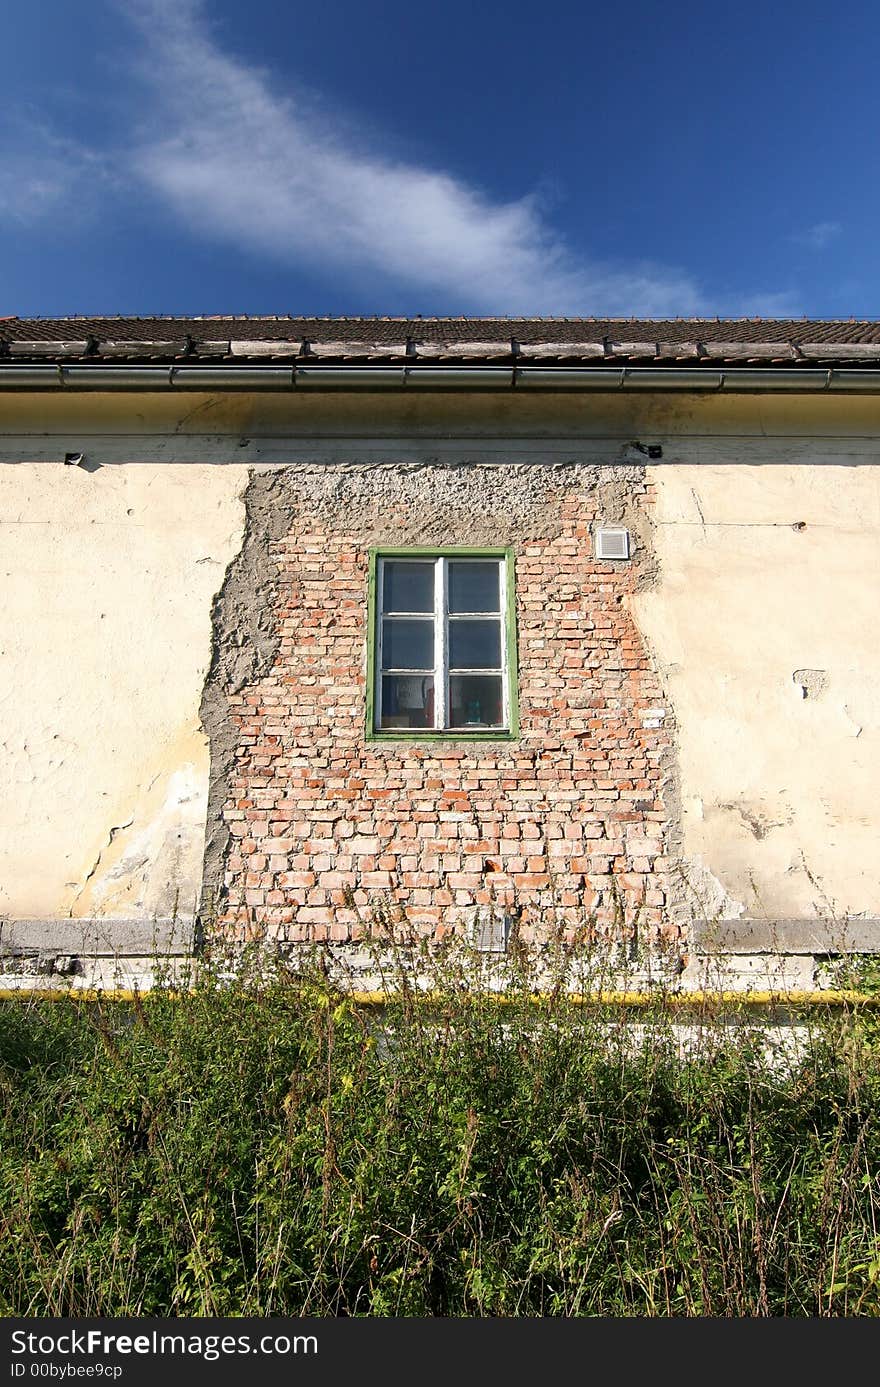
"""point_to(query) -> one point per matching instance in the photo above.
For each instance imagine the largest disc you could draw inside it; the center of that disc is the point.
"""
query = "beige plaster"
(105, 640)
(108, 579)
(235, 419)
(764, 622)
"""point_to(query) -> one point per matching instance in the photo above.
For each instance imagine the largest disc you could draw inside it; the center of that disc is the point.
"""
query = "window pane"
(407, 644)
(475, 700)
(407, 700)
(407, 587)
(474, 644)
(473, 587)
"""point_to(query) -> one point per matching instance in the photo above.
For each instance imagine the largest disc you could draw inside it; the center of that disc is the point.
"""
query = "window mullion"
(440, 644)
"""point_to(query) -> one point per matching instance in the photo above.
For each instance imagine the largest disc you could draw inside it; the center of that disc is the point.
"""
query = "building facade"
(521, 627)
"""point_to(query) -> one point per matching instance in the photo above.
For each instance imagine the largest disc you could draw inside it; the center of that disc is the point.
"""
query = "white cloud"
(238, 161)
(246, 164)
(819, 236)
(42, 173)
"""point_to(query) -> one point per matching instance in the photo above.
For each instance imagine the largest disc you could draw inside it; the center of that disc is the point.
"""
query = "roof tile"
(679, 351)
(49, 348)
(212, 347)
(750, 351)
(464, 350)
(141, 348)
(841, 351)
(538, 351)
(645, 349)
(763, 341)
(272, 346)
(356, 351)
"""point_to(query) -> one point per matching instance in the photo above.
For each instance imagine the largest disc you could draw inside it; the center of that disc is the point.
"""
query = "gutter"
(587, 378)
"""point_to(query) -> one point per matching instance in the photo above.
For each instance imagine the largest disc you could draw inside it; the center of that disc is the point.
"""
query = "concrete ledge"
(174, 937)
(853, 935)
(98, 938)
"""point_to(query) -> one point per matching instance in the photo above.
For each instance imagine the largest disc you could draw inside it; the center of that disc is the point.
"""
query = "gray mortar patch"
(244, 643)
(453, 503)
(422, 503)
(812, 682)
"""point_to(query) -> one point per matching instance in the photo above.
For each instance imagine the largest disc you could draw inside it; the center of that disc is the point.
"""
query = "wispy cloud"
(240, 161)
(43, 173)
(246, 164)
(819, 236)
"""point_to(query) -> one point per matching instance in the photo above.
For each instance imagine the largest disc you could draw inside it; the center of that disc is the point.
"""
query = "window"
(442, 643)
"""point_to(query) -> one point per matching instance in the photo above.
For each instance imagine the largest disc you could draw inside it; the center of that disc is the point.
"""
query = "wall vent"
(491, 930)
(612, 543)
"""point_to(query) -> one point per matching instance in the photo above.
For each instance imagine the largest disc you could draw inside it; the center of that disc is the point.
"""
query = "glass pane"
(407, 587)
(407, 700)
(474, 644)
(475, 700)
(473, 587)
(407, 644)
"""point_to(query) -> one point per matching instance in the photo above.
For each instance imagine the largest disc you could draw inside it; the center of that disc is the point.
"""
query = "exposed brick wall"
(561, 823)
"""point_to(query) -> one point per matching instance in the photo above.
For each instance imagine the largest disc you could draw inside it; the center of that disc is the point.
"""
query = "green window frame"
(437, 693)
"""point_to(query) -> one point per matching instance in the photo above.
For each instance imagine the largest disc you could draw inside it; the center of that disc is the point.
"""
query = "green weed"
(263, 1145)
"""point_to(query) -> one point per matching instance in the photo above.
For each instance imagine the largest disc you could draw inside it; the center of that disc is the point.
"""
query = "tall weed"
(264, 1145)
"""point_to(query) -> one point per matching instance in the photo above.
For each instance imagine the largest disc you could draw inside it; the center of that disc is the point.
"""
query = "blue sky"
(170, 156)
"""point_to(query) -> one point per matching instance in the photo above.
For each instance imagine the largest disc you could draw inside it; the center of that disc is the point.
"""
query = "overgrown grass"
(271, 1148)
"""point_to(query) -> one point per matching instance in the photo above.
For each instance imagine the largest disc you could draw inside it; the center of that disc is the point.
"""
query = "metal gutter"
(460, 377)
(348, 377)
(852, 380)
(588, 378)
(751, 379)
(570, 377)
(29, 377)
(236, 377)
(116, 377)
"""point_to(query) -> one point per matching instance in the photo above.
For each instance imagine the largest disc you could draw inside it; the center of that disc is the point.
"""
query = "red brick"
(582, 788)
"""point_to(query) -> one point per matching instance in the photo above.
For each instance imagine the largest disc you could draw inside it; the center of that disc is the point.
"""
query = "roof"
(757, 342)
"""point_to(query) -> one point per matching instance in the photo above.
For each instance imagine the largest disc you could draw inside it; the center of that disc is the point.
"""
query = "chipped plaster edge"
(244, 643)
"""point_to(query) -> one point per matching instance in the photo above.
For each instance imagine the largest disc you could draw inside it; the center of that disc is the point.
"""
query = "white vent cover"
(491, 930)
(612, 543)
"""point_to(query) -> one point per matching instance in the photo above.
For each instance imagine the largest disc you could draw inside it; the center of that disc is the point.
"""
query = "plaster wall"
(760, 616)
(764, 626)
(105, 640)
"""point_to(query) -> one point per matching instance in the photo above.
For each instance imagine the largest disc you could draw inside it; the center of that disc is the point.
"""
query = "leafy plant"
(263, 1144)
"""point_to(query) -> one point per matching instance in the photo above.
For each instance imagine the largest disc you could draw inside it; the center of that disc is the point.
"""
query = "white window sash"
(441, 619)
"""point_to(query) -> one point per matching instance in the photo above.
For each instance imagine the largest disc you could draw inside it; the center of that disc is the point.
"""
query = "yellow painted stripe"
(602, 998)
